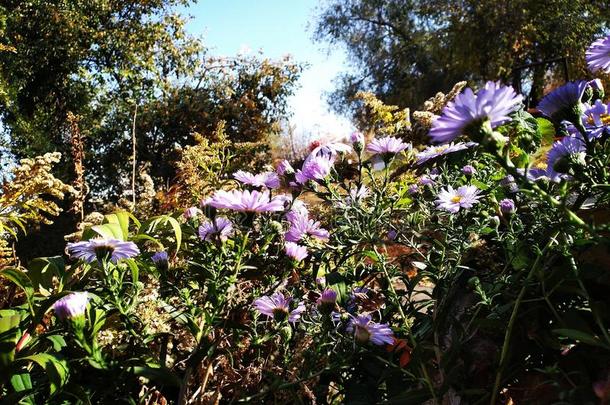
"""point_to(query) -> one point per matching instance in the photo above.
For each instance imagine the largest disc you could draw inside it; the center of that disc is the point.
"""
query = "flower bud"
(468, 170)
(357, 140)
(327, 301)
(71, 306)
(284, 168)
(161, 261)
(507, 207)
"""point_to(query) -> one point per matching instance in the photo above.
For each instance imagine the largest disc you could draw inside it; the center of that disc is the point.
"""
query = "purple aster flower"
(564, 102)
(284, 168)
(301, 225)
(265, 179)
(568, 150)
(469, 170)
(413, 189)
(598, 55)
(247, 201)
(392, 234)
(277, 307)
(507, 206)
(161, 260)
(71, 305)
(494, 102)
(327, 301)
(297, 252)
(432, 152)
(316, 168)
(356, 195)
(596, 114)
(452, 200)
(221, 227)
(387, 145)
(357, 138)
(329, 151)
(365, 330)
(426, 180)
(100, 249)
(191, 212)
(509, 183)
(595, 88)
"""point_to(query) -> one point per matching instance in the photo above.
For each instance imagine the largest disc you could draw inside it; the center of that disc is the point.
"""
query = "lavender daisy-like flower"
(277, 306)
(100, 249)
(365, 330)
(413, 189)
(71, 305)
(294, 251)
(598, 55)
(247, 201)
(452, 200)
(564, 103)
(566, 151)
(327, 301)
(492, 103)
(301, 225)
(284, 168)
(387, 145)
(432, 152)
(356, 138)
(316, 168)
(221, 227)
(265, 179)
(597, 114)
(328, 150)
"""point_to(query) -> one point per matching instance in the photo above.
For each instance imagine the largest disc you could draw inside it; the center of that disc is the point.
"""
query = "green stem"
(513, 318)
(424, 370)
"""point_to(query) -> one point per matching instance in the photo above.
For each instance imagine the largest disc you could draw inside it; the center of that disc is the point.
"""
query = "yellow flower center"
(605, 119)
(540, 165)
(456, 199)
(440, 149)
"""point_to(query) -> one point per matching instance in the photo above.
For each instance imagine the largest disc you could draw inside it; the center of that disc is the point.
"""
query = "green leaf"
(164, 220)
(158, 374)
(479, 184)
(581, 336)
(546, 131)
(9, 336)
(56, 369)
(122, 219)
(58, 342)
(22, 383)
(109, 231)
(42, 270)
(22, 281)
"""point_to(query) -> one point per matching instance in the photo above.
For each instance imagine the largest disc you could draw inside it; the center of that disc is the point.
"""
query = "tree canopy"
(406, 50)
(96, 61)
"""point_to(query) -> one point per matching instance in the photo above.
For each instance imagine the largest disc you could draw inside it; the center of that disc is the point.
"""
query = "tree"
(406, 50)
(100, 60)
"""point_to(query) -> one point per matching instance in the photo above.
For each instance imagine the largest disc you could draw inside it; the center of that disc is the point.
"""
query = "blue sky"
(278, 27)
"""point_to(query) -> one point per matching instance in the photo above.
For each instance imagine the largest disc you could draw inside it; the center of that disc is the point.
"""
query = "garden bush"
(474, 270)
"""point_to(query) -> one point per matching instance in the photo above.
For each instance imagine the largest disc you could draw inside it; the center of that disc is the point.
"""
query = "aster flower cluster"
(362, 327)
